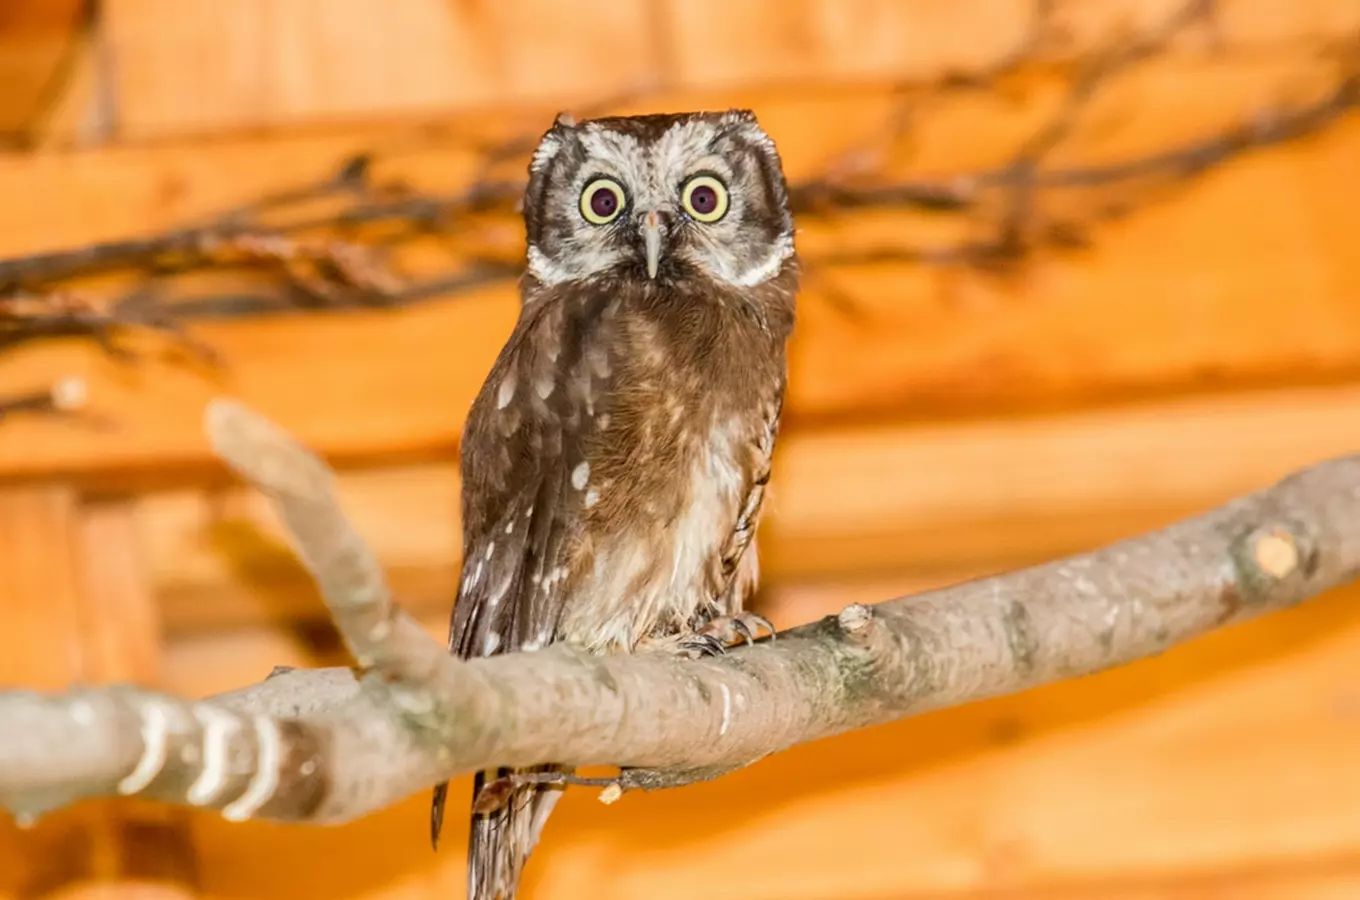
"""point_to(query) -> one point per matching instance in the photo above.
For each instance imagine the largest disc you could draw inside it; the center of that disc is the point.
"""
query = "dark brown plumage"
(615, 460)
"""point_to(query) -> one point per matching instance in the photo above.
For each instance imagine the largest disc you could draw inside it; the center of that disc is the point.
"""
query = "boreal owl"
(615, 459)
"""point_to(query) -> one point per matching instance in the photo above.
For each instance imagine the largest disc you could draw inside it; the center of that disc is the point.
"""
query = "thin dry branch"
(325, 746)
(299, 257)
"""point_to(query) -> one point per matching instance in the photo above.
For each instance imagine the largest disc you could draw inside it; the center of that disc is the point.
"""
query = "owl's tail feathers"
(441, 796)
(502, 839)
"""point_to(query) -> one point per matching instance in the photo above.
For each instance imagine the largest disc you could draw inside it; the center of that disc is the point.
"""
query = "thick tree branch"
(325, 746)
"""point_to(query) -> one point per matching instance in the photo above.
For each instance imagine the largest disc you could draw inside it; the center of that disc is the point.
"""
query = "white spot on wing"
(592, 497)
(493, 641)
(544, 388)
(506, 393)
(580, 475)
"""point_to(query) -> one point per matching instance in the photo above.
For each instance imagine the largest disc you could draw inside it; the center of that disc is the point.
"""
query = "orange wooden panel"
(38, 39)
(40, 645)
(40, 648)
(1220, 769)
(119, 610)
(714, 42)
(183, 66)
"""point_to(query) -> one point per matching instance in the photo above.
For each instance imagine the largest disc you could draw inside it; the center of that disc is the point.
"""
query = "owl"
(615, 459)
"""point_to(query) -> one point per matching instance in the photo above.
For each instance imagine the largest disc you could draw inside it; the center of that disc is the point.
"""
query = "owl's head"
(658, 198)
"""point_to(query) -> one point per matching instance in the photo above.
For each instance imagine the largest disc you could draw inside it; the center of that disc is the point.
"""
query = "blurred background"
(1074, 270)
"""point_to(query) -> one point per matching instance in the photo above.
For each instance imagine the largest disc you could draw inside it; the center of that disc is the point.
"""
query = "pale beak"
(651, 240)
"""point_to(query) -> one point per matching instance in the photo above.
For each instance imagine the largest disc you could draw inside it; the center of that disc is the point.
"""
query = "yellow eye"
(602, 201)
(705, 198)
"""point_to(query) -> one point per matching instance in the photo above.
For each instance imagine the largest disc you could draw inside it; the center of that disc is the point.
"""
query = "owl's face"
(658, 198)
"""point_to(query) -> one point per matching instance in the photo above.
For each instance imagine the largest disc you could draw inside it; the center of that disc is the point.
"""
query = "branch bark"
(325, 746)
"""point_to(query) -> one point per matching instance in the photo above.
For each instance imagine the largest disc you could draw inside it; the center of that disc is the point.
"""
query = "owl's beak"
(652, 232)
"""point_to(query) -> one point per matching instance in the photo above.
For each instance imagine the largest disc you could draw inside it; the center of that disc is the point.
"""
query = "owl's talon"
(743, 631)
(741, 628)
(701, 645)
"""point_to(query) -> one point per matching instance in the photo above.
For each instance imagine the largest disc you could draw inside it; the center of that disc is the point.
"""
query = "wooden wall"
(956, 424)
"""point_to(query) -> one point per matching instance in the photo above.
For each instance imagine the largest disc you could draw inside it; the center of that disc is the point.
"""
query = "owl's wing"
(526, 434)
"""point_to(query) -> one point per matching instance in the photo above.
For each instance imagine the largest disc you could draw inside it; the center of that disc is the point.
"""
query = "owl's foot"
(725, 632)
(743, 627)
(692, 645)
(715, 638)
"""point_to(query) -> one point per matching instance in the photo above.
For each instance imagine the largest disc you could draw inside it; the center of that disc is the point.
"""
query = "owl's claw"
(700, 645)
(743, 627)
(714, 638)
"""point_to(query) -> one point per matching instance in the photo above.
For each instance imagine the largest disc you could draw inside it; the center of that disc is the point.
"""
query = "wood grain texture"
(1221, 769)
(37, 41)
(78, 609)
(1243, 279)
(40, 587)
(715, 43)
(927, 499)
(198, 66)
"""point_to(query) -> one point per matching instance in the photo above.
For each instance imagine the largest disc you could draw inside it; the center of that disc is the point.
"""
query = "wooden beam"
(39, 41)
(195, 66)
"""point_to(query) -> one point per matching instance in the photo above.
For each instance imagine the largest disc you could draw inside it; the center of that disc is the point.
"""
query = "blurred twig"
(301, 258)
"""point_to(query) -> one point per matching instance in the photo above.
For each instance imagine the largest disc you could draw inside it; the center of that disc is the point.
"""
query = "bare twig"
(326, 746)
(298, 259)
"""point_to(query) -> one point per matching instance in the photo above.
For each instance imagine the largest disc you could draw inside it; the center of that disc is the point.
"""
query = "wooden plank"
(40, 647)
(138, 850)
(120, 615)
(37, 41)
(932, 500)
(1222, 768)
(1184, 295)
(185, 67)
(805, 40)
(196, 65)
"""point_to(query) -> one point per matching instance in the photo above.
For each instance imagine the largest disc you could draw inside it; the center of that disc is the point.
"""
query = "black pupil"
(603, 202)
(704, 199)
